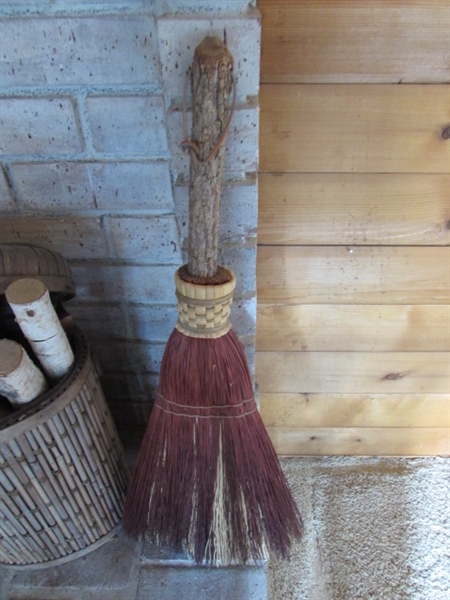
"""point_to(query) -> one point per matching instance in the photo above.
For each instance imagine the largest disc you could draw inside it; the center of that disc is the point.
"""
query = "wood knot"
(446, 133)
(394, 376)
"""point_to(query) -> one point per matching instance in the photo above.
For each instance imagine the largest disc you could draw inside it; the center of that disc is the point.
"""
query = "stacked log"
(21, 381)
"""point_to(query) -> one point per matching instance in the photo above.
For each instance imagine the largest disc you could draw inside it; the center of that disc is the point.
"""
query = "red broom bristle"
(207, 479)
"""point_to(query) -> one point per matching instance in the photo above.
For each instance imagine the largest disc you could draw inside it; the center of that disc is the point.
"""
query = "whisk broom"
(207, 480)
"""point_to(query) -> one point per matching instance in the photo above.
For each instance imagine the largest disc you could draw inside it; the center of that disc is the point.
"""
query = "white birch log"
(31, 304)
(20, 380)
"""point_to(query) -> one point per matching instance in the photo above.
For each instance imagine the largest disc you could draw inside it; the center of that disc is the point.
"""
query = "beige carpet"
(375, 529)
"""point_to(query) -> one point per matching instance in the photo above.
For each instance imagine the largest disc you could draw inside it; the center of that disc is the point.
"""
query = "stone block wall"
(91, 122)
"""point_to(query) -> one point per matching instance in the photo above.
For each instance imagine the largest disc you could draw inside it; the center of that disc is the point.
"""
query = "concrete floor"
(375, 529)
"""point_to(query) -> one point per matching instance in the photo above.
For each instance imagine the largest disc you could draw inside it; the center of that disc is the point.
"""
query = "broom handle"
(212, 82)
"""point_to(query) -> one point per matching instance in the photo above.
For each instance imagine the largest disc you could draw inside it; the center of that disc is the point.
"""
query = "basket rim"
(57, 282)
(52, 401)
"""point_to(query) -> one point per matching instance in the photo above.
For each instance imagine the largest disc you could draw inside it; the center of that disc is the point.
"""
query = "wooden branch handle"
(212, 83)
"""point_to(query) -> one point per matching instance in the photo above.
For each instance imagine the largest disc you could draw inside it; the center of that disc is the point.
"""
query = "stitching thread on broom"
(228, 408)
(206, 407)
(189, 145)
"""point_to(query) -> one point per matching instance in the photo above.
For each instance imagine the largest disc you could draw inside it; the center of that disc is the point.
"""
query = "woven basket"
(63, 474)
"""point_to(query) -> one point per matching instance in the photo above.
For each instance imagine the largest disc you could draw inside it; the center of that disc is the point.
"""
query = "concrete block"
(54, 186)
(120, 387)
(145, 358)
(130, 416)
(128, 125)
(250, 356)
(99, 185)
(241, 259)
(126, 355)
(146, 239)
(179, 36)
(238, 209)
(72, 237)
(7, 202)
(241, 143)
(243, 316)
(82, 51)
(124, 283)
(74, 7)
(108, 573)
(38, 126)
(82, 7)
(150, 382)
(200, 7)
(153, 323)
(190, 583)
(103, 322)
(131, 439)
(110, 354)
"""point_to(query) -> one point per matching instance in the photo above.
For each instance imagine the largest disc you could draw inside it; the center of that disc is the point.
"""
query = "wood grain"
(354, 208)
(353, 372)
(353, 272)
(353, 275)
(355, 410)
(370, 441)
(353, 327)
(381, 41)
(357, 128)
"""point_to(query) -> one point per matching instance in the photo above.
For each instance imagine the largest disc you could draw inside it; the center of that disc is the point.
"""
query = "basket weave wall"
(63, 475)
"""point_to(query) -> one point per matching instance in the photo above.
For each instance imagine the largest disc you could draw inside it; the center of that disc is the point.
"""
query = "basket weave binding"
(204, 310)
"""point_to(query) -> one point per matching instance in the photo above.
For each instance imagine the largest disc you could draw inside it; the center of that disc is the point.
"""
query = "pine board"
(381, 41)
(354, 208)
(353, 372)
(353, 275)
(354, 128)
(337, 327)
(370, 441)
(354, 219)
(355, 410)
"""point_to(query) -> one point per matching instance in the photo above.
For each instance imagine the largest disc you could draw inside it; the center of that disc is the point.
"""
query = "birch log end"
(31, 304)
(20, 380)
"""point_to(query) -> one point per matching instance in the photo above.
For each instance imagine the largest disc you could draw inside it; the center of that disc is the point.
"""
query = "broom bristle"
(208, 480)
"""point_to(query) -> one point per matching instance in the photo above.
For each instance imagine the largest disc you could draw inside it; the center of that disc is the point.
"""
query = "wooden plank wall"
(353, 330)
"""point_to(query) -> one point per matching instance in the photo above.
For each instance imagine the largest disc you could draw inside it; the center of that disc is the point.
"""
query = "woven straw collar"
(204, 310)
